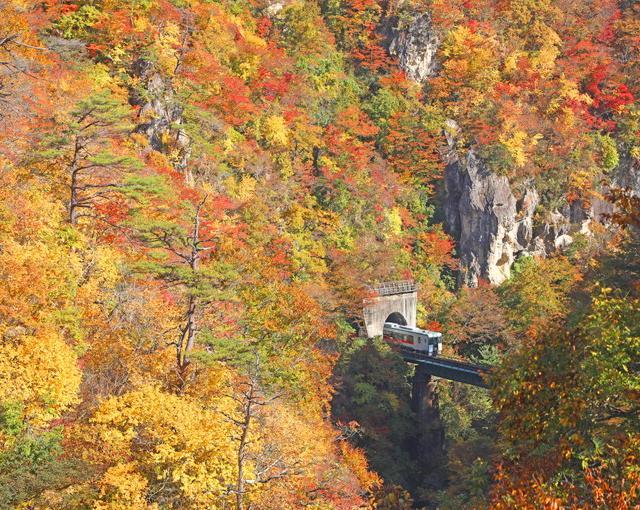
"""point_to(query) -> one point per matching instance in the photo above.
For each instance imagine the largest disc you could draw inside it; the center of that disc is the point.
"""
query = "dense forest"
(198, 195)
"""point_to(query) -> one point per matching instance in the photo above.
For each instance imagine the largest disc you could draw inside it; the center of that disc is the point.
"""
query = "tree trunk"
(190, 330)
(246, 423)
(187, 340)
(73, 191)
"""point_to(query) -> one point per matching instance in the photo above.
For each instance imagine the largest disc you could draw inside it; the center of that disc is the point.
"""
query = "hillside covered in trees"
(197, 195)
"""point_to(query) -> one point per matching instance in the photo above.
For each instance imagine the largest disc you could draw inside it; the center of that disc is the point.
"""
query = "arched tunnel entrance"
(394, 302)
(396, 318)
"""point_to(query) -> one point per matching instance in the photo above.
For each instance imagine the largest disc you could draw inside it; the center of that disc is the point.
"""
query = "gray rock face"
(490, 225)
(416, 47)
(492, 228)
(627, 175)
(160, 113)
(482, 214)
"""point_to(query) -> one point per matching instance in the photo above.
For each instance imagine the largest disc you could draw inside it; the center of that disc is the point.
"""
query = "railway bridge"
(397, 302)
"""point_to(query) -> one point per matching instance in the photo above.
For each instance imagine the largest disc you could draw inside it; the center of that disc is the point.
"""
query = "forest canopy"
(196, 196)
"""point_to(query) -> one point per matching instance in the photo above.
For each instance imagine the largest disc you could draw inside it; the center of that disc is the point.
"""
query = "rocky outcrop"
(160, 114)
(482, 214)
(415, 46)
(627, 175)
(491, 227)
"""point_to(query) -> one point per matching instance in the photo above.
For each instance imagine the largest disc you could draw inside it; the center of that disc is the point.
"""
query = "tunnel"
(397, 307)
(396, 318)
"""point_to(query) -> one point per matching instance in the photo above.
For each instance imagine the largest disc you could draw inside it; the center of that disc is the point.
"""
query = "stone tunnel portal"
(392, 302)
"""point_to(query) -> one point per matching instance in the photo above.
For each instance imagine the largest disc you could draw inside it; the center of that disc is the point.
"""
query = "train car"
(429, 342)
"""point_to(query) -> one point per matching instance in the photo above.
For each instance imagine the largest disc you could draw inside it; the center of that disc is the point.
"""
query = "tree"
(87, 143)
(374, 392)
(569, 404)
(476, 320)
(39, 373)
(250, 399)
(153, 448)
(538, 292)
(20, 50)
(183, 239)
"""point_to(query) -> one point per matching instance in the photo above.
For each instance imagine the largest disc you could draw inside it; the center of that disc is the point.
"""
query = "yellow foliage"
(296, 215)
(40, 372)
(181, 447)
(231, 139)
(545, 59)
(581, 180)
(247, 33)
(122, 488)
(515, 142)
(283, 163)
(511, 61)
(38, 272)
(304, 440)
(568, 90)
(471, 58)
(328, 163)
(140, 24)
(393, 221)
(168, 41)
(243, 187)
(275, 131)
(248, 66)
(357, 462)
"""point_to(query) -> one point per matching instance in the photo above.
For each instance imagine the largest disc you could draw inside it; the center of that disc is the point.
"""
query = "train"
(421, 340)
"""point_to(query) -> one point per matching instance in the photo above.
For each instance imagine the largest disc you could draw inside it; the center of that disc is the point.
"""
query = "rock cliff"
(415, 45)
(161, 116)
(491, 223)
(482, 214)
(492, 227)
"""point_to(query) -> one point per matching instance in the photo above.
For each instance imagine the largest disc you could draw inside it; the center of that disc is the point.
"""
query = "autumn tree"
(87, 144)
(476, 319)
(374, 392)
(581, 386)
(182, 243)
(21, 52)
(249, 399)
(538, 293)
(39, 362)
(581, 383)
(155, 447)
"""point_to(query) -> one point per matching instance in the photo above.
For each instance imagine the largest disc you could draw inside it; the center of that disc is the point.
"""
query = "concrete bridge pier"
(430, 445)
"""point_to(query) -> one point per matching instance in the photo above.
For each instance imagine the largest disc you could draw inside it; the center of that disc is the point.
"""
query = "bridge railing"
(397, 287)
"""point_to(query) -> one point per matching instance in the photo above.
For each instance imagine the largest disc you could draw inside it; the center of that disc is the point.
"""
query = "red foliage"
(608, 95)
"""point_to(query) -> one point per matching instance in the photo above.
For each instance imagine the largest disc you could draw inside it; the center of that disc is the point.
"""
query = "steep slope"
(549, 107)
